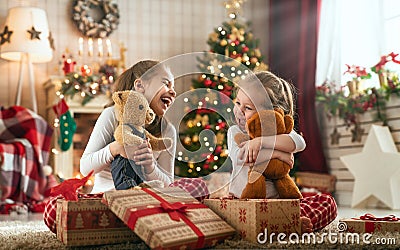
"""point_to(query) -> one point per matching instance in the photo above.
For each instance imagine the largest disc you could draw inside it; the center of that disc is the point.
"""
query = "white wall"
(155, 29)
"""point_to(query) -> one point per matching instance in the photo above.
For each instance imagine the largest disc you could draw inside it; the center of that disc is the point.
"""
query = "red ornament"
(207, 82)
(245, 49)
(86, 70)
(68, 66)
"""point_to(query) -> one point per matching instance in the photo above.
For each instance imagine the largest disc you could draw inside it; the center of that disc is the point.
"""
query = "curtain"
(350, 32)
(292, 55)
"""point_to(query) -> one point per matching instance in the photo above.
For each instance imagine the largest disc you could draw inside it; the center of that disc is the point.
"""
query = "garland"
(87, 85)
(337, 102)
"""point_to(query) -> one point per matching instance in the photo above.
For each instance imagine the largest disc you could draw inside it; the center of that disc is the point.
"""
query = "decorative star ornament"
(51, 41)
(34, 33)
(357, 133)
(376, 169)
(5, 36)
(335, 136)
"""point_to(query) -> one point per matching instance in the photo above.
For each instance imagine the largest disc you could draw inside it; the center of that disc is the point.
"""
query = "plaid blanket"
(24, 149)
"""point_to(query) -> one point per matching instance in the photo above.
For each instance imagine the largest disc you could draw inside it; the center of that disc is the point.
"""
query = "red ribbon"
(176, 211)
(373, 218)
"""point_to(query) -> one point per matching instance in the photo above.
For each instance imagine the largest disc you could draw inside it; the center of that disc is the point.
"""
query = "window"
(356, 32)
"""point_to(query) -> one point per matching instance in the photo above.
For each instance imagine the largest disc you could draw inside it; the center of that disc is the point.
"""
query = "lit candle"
(100, 47)
(80, 48)
(109, 48)
(90, 47)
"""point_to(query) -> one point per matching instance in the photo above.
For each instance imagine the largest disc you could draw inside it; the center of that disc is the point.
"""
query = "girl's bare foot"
(306, 225)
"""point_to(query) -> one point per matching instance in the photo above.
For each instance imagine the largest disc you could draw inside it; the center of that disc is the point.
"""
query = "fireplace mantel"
(66, 163)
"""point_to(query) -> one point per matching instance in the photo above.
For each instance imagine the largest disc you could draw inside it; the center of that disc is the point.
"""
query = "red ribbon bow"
(174, 209)
(373, 218)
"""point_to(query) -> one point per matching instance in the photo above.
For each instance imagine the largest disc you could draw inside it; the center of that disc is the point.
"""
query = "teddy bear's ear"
(150, 115)
(117, 97)
(289, 123)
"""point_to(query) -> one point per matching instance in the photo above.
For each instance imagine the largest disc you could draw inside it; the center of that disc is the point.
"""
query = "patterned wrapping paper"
(365, 226)
(89, 222)
(158, 218)
(251, 217)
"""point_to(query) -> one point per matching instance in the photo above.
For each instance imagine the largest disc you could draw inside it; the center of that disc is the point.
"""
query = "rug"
(19, 234)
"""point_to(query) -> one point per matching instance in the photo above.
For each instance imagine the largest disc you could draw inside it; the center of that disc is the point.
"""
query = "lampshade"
(30, 35)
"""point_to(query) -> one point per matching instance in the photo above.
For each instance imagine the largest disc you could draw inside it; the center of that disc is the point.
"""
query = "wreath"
(95, 18)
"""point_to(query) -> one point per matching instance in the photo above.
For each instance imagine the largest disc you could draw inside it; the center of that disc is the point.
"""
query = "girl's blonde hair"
(280, 92)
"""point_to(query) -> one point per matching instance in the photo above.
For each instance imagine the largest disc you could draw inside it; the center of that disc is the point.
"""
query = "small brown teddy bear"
(268, 123)
(133, 112)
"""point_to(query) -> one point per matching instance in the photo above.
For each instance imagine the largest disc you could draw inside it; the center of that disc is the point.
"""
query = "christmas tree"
(233, 54)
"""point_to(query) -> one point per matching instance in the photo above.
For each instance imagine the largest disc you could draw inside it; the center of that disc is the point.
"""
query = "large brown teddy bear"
(273, 122)
(133, 112)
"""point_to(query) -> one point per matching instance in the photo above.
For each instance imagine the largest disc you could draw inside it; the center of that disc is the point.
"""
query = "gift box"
(254, 216)
(322, 182)
(168, 218)
(370, 224)
(89, 222)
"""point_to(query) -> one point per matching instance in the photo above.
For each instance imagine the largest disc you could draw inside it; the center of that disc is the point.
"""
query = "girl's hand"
(144, 156)
(249, 150)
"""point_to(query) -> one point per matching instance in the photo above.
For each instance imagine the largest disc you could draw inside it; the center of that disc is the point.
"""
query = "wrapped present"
(255, 216)
(322, 182)
(368, 223)
(168, 218)
(88, 221)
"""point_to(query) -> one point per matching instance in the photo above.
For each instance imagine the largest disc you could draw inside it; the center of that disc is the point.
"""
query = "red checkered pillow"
(195, 186)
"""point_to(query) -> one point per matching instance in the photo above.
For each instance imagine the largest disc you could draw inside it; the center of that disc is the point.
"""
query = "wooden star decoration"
(5, 36)
(357, 133)
(34, 33)
(376, 169)
(51, 41)
(335, 136)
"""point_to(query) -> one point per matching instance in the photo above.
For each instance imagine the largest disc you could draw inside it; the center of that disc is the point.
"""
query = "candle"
(80, 47)
(109, 48)
(100, 47)
(90, 47)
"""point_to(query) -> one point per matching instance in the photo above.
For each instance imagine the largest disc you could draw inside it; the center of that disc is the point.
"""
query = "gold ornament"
(220, 138)
(253, 60)
(190, 124)
(195, 138)
(204, 120)
(236, 35)
(257, 52)
(187, 140)
(223, 42)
